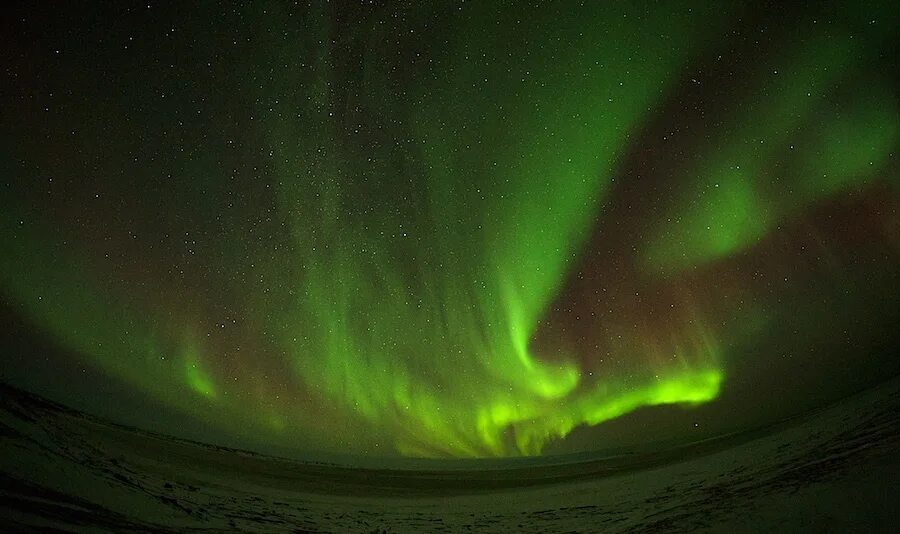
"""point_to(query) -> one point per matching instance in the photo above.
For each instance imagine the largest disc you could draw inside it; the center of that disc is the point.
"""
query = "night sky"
(449, 229)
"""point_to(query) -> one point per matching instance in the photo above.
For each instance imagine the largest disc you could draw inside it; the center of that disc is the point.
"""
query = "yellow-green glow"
(417, 232)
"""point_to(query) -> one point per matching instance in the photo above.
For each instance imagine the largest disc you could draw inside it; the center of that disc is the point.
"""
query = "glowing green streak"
(196, 377)
(729, 206)
(431, 215)
(432, 342)
(852, 145)
(75, 310)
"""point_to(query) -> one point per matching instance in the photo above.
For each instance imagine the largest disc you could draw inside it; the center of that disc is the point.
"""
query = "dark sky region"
(449, 229)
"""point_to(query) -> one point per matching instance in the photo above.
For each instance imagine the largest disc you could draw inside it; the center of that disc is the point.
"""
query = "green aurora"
(422, 188)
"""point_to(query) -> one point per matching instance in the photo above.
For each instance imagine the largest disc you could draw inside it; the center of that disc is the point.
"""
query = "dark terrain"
(835, 469)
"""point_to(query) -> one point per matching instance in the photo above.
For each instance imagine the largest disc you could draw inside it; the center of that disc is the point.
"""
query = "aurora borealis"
(465, 230)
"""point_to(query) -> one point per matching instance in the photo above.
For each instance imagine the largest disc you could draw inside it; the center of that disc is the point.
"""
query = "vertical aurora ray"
(367, 235)
(434, 342)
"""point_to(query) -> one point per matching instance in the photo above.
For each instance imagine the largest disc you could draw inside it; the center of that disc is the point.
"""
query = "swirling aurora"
(420, 230)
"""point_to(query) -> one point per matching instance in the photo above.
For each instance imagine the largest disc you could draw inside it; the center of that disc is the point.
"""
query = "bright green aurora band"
(428, 217)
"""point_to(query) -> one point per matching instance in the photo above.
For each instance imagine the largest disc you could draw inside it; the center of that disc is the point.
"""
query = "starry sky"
(450, 229)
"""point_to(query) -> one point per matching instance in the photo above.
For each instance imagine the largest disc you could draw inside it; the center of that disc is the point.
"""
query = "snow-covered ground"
(834, 470)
